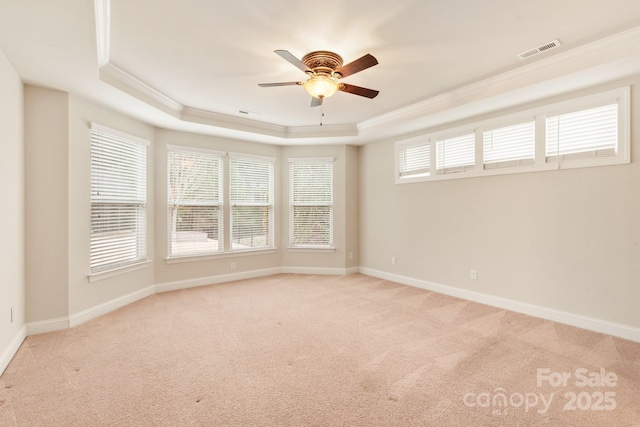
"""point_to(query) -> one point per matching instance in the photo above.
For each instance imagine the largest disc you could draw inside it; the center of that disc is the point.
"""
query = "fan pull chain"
(321, 113)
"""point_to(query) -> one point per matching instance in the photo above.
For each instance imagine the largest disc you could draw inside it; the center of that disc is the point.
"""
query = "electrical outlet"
(232, 265)
(393, 260)
(350, 255)
(473, 274)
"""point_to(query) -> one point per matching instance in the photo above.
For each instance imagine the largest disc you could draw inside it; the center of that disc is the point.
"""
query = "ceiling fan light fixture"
(321, 86)
(325, 69)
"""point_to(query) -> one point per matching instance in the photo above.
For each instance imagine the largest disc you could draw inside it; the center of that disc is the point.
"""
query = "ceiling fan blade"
(358, 65)
(279, 84)
(316, 102)
(357, 90)
(287, 56)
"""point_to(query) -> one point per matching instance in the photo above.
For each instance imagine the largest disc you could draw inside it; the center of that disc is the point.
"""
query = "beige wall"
(188, 271)
(82, 294)
(58, 204)
(12, 285)
(47, 175)
(58, 178)
(352, 207)
(567, 240)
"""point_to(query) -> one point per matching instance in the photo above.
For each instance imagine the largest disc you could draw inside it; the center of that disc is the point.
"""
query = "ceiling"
(195, 65)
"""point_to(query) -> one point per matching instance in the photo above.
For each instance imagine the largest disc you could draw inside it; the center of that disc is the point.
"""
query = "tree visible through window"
(195, 202)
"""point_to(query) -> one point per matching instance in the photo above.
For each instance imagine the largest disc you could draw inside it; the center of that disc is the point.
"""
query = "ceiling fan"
(324, 69)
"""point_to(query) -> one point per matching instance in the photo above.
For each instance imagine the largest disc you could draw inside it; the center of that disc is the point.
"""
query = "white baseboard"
(109, 306)
(567, 318)
(62, 323)
(213, 280)
(50, 325)
(319, 270)
(12, 348)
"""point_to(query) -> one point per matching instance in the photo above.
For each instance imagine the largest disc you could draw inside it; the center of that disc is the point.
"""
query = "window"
(414, 159)
(509, 146)
(251, 198)
(118, 199)
(456, 154)
(592, 130)
(311, 203)
(590, 133)
(195, 212)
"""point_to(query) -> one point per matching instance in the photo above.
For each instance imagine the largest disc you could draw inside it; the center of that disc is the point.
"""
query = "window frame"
(521, 161)
(620, 95)
(401, 146)
(291, 238)
(270, 161)
(140, 259)
(220, 203)
(453, 169)
(225, 209)
(566, 161)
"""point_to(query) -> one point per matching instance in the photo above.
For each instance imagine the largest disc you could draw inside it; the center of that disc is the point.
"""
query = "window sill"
(314, 249)
(235, 254)
(480, 173)
(95, 277)
(548, 166)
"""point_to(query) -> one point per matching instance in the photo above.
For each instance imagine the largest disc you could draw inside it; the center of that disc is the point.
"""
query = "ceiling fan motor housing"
(322, 62)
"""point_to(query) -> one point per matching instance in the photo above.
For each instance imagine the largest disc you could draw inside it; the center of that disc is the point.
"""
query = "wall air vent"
(538, 50)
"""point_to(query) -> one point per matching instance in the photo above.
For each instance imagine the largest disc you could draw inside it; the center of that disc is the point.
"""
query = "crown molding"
(103, 24)
(621, 50)
(122, 80)
(205, 117)
(322, 131)
(569, 61)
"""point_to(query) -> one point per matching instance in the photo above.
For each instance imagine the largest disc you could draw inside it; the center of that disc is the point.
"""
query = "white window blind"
(592, 132)
(251, 198)
(195, 214)
(509, 146)
(456, 154)
(311, 202)
(588, 131)
(414, 160)
(118, 200)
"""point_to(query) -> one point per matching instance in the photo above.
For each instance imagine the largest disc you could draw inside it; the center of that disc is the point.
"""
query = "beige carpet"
(319, 351)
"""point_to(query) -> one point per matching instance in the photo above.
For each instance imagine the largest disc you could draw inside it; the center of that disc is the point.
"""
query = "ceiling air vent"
(537, 50)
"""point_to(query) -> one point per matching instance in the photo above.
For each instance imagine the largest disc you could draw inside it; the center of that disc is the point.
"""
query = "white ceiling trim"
(622, 48)
(103, 22)
(569, 61)
(322, 131)
(205, 117)
(120, 79)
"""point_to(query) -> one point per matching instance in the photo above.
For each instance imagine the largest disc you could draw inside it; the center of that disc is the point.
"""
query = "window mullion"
(540, 139)
(479, 154)
(226, 203)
